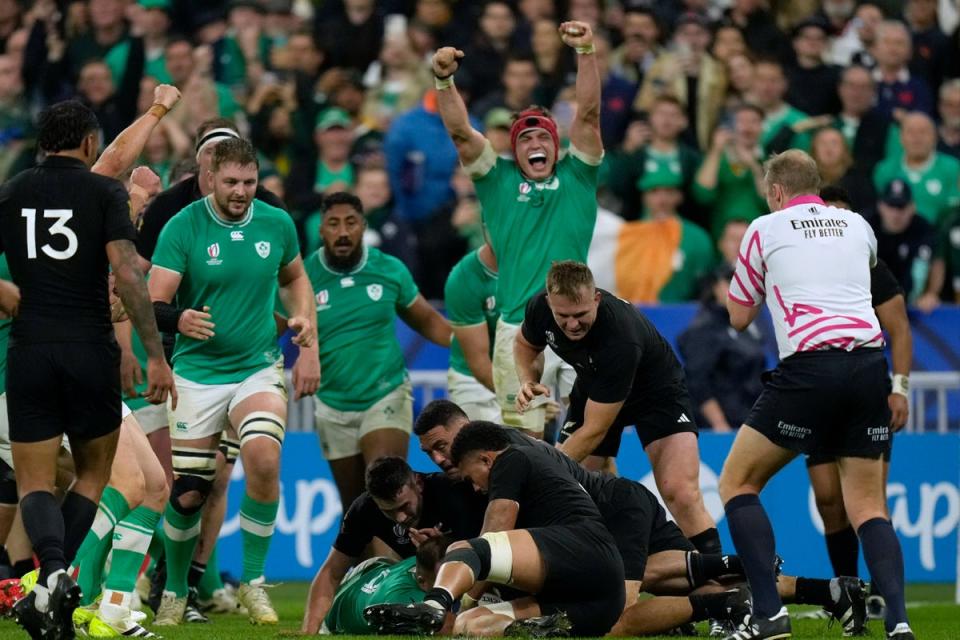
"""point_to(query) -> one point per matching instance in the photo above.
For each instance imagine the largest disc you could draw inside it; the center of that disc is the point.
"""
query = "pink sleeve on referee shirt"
(746, 286)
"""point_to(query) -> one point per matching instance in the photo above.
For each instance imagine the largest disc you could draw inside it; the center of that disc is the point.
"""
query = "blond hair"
(794, 170)
(567, 278)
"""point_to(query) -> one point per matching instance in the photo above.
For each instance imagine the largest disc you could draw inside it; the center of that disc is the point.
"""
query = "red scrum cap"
(533, 119)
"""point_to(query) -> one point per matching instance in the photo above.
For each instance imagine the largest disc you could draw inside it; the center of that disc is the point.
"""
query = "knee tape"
(501, 557)
(230, 449)
(262, 424)
(468, 557)
(199, 463)
(186, 484)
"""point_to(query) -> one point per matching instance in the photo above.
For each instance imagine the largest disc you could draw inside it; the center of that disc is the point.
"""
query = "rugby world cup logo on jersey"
(263, 249)
(375, 291)
(214, 252)
(323, 299)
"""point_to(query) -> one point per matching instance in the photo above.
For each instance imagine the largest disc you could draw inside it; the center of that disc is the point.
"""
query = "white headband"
(214, 136)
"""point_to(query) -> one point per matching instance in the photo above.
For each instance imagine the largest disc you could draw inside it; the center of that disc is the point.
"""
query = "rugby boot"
(775, 628)
(418, 618)
(253, 596)
(849, 606)
(555, 625)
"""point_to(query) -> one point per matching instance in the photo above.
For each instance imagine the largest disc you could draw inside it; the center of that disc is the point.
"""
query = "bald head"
(893, 46)
(918, 135)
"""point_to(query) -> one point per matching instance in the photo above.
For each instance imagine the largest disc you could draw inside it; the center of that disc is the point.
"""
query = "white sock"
(115, 605)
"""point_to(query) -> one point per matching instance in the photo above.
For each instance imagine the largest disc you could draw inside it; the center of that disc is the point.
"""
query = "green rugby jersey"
(376, 581)
(934, 187)
(360, 358)
(533, 223)
(231, 267)
(470, 297)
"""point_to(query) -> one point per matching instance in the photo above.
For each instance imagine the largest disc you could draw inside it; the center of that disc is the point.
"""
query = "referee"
(828, 396)
(627, 374)
(61, 227)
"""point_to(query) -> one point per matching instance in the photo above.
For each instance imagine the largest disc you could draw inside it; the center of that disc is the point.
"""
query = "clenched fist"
(146, 179)
(576, 34)
(446, 61)
(167, 95)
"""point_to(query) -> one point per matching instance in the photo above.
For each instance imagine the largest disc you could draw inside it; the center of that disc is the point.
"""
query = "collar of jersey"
(486, 269)
(918, 173)
(224, 223)
(360, 265)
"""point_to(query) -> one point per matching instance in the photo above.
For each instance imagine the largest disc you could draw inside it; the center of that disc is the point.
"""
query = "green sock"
(156, 543)
(210, 581)
(256, 529)
(130, 543)
(180, 539)
(96, 545)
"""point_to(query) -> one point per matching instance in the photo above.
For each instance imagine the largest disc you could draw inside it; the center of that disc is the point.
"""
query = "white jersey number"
(58, 228)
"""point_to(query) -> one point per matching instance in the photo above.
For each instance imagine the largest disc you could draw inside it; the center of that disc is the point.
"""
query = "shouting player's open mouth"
(537, 159)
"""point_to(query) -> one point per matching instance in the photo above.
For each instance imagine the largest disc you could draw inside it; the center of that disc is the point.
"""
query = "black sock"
(843, 547)
(881, 549)
(441, 597)
(78, 514)
(753, 537)
(813, 591)
(196, 572)
(44, 525)
(23, 567)
(703, 567)
(709, 605)
(707, 541)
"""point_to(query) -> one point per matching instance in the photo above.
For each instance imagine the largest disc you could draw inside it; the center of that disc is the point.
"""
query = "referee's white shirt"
(811, 263)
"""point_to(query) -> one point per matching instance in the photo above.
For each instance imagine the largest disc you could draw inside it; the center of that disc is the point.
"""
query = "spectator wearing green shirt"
(768, 91)
(152, 18)
(730, 180)
(944, 279)
(934, 177)
(651, 148)
(326, 167)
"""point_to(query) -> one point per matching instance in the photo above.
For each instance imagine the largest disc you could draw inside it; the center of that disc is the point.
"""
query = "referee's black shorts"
(656, 418)
(639, 525)
(63, 388)
(830, 403)
(584, 576)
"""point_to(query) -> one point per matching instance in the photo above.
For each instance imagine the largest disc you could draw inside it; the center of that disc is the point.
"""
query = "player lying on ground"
(400, 509)
(381, 580)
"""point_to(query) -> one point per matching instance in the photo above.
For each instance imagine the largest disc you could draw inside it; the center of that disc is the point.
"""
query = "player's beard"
(344, 263)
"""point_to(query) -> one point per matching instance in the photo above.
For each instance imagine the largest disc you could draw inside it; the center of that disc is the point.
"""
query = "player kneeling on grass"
(553, 543)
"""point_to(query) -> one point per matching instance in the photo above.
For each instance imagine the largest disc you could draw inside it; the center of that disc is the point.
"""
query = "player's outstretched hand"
(306, 373)
(419, 536)
(160, 383)
(167, 95)
(196, 324)
(899, 411)
(146, 179)
(306, 332)
(9, 299)
(576, 34)
(446, 61)
(529, 391)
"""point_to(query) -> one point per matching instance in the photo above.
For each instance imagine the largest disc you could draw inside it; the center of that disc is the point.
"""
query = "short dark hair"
(431, 552)
(64, 125)
(668, 98)
(566, 278)
(176, 39)
(479, 435)
(520, 56)
(342, 197)
(749, 106)
(386, 476)
(215, 123)
(834, 193)
(437, 413)
(234, 150)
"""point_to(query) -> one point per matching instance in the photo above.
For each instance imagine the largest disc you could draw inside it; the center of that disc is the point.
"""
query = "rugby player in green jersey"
(470, 296)
(232, 254)
(365, 401)
(539, 207)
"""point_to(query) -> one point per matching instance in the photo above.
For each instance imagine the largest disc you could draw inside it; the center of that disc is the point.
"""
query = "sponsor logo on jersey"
(181, 426)
(236, 236)
(375, 291)
(323, 298)
(551, 339)
(214, 252)
(263, 249)
(346, 282)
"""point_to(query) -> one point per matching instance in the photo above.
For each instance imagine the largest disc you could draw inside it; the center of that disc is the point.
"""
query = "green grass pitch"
(932, 612)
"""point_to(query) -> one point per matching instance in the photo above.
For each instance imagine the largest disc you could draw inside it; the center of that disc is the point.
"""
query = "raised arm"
(585, 128)
(425, 320)
(453, 111)
(127, 146)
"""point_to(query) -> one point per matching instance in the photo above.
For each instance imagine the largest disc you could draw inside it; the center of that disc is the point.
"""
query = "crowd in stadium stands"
(696, 94)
